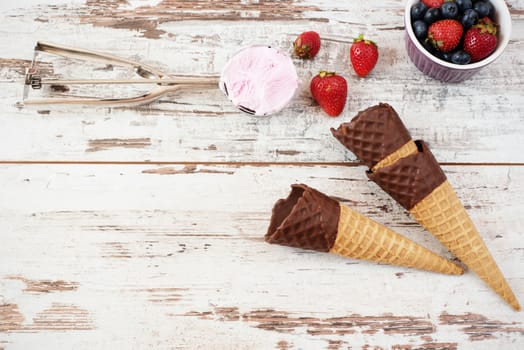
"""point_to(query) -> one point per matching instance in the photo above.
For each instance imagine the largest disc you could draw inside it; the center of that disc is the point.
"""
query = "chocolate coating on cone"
(373, 134)
(410, 179)
(306, 219)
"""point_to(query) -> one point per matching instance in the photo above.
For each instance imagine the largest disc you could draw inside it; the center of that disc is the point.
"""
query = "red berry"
(330, 91)
(307, 44)
(481, 40)
(363, 55)
(445, 34)
(433, 3)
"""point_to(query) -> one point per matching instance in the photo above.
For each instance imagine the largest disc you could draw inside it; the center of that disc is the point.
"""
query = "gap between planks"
(234, 164)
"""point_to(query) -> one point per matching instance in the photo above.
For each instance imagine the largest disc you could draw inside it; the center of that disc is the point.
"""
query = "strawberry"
(445, 34)
(481, 39)
(363, 55)
(433, 3)
(307, 44)
(330, 91)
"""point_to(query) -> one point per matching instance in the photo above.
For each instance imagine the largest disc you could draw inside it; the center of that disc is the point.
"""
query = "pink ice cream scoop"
(259, 80)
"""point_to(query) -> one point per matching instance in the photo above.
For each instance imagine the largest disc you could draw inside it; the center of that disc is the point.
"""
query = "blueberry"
(470, 18)
(446, 56)
(460, 57)
(449, 9)
(420, 28)
(418, 11)
(464, 5)
(432, 15)
(432, 50)
(429, 47)
(483, 8)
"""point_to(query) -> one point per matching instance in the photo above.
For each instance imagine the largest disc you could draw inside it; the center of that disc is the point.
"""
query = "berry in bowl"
(452, 40)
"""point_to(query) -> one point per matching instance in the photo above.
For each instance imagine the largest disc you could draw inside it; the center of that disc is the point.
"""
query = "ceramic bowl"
(447, 71)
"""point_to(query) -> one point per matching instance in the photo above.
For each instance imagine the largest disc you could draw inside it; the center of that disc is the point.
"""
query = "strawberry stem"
(360, 38)
(485, 25)
(324, 74)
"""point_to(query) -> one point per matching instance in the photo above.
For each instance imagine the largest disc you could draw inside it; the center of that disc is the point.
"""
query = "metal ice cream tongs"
(163, 84)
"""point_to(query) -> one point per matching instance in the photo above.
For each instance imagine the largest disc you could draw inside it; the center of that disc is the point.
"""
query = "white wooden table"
(143, 227)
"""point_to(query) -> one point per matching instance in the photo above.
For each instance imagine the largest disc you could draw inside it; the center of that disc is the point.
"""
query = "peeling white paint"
(154, 250)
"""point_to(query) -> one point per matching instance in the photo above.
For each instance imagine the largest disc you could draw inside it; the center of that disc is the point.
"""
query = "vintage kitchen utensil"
(164, 84)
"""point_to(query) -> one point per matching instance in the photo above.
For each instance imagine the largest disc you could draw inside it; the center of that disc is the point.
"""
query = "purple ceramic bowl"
(447, 71)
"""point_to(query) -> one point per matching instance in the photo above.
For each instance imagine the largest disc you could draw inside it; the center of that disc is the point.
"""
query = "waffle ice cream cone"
(413, 177)
(369, 135)
(443, 214)
(309, 219)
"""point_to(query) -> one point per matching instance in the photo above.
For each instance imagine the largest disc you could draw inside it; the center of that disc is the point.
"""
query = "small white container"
(259, 80)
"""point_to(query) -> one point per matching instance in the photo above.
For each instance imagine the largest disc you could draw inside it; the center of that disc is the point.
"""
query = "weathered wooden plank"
(173, 256)
(203, 126)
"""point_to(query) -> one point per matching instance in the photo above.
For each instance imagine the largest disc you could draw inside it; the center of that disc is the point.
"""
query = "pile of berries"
(329, 89)
(457, 31)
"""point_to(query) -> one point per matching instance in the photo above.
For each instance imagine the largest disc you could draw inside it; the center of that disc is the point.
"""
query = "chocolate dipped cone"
(413, 177)
(369, 136)
(309, 219)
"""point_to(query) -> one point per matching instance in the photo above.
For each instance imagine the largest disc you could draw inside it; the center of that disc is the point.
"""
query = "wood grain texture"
(143, 227)
(203, 126)
(186, 251)
(44, 286)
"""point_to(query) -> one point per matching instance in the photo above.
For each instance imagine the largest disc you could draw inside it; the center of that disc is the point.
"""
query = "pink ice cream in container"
(259, 80)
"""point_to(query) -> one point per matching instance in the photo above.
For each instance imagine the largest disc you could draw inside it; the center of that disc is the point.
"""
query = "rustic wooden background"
(143, 227)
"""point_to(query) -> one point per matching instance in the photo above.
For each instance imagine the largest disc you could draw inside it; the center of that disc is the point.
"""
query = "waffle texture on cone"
(416, 181)
(443, 214)
(408, 149)
(306, 219)
(359, 237)
(373, 134)
(410, 179)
